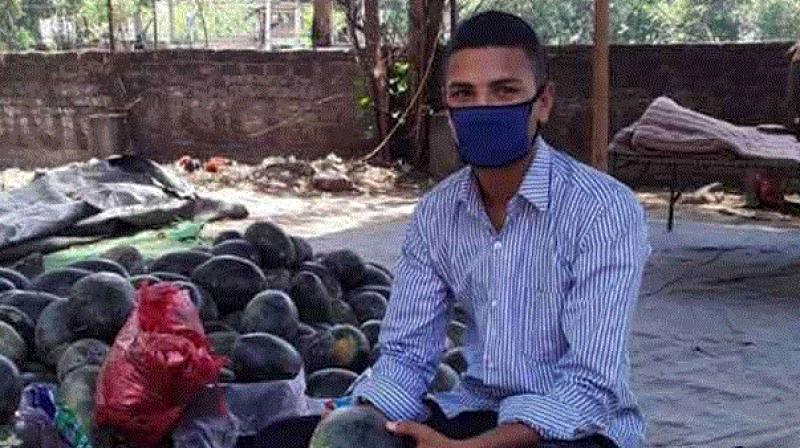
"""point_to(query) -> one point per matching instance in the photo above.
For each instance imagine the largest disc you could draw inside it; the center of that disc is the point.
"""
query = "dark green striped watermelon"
(272, 312)
(354, 426)
(10, 389)
(259, 357)
(101, 265)
(329, 383)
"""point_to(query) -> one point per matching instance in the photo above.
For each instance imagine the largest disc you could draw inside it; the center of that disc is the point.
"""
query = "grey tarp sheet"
(84, 202)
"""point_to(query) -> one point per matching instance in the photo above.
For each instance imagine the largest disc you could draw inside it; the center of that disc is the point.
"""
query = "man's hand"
(424, 437)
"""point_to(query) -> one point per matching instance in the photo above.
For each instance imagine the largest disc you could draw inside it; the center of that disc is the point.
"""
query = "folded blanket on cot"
(669, 130)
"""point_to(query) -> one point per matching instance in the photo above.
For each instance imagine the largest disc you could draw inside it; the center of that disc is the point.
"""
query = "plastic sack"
(206, 423)
(159, 361)
(42, 422)
(257, 405)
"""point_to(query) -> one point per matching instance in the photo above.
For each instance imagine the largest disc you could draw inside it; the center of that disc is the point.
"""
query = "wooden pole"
(600, 86)
(155, 26)
(453, 16)
(110, 26)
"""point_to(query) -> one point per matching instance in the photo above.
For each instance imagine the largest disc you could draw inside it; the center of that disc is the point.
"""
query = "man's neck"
(499, 185)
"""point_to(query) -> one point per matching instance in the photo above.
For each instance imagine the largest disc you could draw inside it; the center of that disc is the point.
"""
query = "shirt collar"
(535, 186)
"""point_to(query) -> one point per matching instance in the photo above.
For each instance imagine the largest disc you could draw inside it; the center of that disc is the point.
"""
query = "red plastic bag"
(159, 361)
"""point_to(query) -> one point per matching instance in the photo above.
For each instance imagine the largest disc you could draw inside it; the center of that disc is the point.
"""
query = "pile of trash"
(277, 175)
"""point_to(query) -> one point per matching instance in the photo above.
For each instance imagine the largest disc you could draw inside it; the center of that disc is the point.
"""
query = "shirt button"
(494, 303)
(498, 245)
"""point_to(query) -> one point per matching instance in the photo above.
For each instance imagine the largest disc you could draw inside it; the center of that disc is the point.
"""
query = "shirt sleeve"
(596, 322)
(412, 333)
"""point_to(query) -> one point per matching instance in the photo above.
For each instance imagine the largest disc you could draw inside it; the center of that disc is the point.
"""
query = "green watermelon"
(332, 284)
(341, 313)
(10, 389)
(84, 352)
(234, 320)
(101, 265)
(12, 346)
(53, 332)
(271, 312)
(128, 257)
(31, 303)
(180, 262)
(329, 383)
(278, 278)
(350, 348)
(222, 342)
(214, 326)
(367, 305)
(277, 249)
(77, 392)
(100, 306)
(144, 279)
(381, 268)
(201, 299)
(456, 359)
(226, 235)
(371, 329)
(375, 354)
(21, 323)
(19, 280)
(303, 249)
(460, 314)
(231, 280)
(59, 281)
(6, 285)
(203, 249)
(29, 378)
(240, 248)
(385, 291)
(316, 349)
(445, 380)
(227, 376)
(311, 298)
(259, 357)
(169, 277)
(457, 331)
(347, 266)
(354, 426)
(374, 276)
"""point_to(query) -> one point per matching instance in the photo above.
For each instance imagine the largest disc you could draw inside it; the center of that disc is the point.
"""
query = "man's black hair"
(499, 29)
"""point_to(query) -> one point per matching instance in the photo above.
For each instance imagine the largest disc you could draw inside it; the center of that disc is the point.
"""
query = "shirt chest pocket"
(543, 298)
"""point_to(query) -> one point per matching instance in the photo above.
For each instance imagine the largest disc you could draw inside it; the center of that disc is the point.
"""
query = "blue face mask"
(494, 136)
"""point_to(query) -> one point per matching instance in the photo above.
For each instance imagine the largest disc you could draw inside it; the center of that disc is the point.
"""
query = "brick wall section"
(237, 103)
(243, 104)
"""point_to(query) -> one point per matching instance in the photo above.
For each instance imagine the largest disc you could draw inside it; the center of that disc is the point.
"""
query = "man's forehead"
(489, 64)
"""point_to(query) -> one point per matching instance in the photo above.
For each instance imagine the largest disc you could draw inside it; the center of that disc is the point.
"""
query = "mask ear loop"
(531, 104)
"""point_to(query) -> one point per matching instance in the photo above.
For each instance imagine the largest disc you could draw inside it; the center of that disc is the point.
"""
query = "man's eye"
(508, 90)
(458, 93)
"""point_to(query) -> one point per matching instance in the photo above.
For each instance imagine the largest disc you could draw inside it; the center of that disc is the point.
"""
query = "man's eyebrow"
(502, 81)
(459, 85)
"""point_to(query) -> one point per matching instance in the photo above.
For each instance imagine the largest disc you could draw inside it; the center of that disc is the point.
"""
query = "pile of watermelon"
(268, 303)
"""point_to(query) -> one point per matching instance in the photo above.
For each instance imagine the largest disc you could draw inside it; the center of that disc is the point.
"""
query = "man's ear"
(545, 105)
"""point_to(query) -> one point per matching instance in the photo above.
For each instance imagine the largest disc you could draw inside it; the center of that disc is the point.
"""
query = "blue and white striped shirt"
(549, 301)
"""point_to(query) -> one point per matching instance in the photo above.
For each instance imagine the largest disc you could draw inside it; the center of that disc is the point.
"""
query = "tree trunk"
(171, 14)
(111, 43)
(377, 75)
(425, 18)
(321, 28)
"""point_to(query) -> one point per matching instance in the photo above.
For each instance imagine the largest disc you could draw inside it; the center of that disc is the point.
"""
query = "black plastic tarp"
(85, 202)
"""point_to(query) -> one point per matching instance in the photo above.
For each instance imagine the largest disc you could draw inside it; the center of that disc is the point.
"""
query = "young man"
(543, 253)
